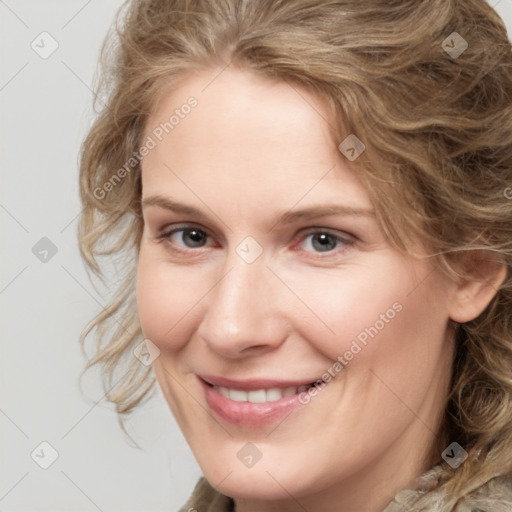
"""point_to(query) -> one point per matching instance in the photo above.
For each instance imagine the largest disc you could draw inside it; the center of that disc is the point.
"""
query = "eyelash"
(346, 242)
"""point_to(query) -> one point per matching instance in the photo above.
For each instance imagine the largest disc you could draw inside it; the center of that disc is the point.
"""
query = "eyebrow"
(287, 217)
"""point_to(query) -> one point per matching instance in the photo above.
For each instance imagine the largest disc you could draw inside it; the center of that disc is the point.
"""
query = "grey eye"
(190, 237)
(322, 242)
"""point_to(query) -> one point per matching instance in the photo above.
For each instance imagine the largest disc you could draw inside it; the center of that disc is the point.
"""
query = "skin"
(252, 149)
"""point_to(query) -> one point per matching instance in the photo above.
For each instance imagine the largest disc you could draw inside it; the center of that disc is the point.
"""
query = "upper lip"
(252, 384)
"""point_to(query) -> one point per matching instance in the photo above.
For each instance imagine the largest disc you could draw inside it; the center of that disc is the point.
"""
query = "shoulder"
(495, 495)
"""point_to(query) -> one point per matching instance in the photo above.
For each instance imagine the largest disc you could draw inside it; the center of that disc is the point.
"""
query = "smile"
(262, 402)
(259, 396)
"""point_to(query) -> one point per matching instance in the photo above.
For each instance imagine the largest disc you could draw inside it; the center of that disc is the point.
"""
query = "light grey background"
(45, 110)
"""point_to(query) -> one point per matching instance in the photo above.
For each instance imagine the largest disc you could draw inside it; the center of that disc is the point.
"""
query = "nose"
(245, 312)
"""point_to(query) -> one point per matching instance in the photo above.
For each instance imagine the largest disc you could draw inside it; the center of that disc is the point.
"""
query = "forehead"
(246, 129)
(237, 106)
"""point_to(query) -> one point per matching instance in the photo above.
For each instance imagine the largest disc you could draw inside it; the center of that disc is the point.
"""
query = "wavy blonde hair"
(437, 165)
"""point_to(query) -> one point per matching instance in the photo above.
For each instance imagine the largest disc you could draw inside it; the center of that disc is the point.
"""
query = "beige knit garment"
(494, 496)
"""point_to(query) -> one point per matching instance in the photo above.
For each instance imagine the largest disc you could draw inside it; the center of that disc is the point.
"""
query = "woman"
(312, 200)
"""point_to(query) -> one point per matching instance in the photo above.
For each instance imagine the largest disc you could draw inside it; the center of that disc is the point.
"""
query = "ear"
(483, 274)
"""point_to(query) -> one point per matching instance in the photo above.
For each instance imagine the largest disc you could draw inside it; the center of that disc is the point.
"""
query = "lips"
(252, 403)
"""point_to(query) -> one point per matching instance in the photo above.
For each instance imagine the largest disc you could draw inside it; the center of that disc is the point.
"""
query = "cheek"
(350, 309)
(168, 299)
(414, 345)
(377, 318)
(404, 356)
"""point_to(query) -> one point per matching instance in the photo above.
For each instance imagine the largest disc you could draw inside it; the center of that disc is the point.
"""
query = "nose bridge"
(240, 311)
(240, 290)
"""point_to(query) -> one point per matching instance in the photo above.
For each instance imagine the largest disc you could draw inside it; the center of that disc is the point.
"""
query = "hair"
(437, 129)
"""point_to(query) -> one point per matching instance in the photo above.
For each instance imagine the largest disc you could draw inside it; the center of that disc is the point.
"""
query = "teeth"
(259, 396)
(223, 391)
(289, 391)
(238, 396)
(274, 394)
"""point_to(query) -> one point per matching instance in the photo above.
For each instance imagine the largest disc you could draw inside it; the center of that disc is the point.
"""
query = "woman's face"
(261, 262)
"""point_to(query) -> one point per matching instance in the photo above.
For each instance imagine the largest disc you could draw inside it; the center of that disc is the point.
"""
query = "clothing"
(497, 490)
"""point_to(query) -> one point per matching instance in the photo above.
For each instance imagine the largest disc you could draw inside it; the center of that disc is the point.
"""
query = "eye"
(188, 237)
(323, 241)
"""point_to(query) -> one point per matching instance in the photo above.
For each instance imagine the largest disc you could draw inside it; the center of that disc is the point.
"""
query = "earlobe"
(476, 290)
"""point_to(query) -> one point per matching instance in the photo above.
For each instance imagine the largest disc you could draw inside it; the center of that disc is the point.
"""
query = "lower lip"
(247, 414)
